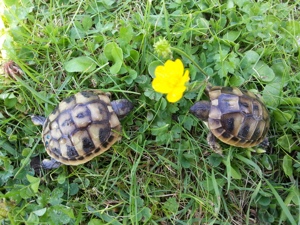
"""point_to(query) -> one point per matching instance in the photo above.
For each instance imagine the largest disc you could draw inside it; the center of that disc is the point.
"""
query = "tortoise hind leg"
(265, 143)
(50, 164)
(213, 144)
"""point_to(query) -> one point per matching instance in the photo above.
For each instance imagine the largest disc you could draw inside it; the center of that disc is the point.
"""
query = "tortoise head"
(201, 110)
(122, 107)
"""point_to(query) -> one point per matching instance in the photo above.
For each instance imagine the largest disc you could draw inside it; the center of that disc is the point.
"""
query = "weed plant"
(163, 171)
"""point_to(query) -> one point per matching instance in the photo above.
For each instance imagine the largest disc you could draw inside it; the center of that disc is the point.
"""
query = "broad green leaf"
(134, 55)
(171, 206)
(150, 93)
(146, 213)
(8, 147)
(215, 159)
(265, 160)
(40, 212)
(61, 178)
(188, 121)
(287, 142)
(290, 101)
(55, 197)
(202, 25)
(264, 72)
(236, 81)
(287, 165)
(293, 26)
(87, 23)
(283, 117)
(152, 66)
(125, 35)
(115, 54)
(249, 58)
(80, 64)
(34, 182)
(32, 219)
(74, 188)
(235, 173)
(271, 94)
(265, 201)
(10, 102)
(231, 35)
(26, 152)
(132, 75)
(60, 214)
(109, 2)
(186, 159)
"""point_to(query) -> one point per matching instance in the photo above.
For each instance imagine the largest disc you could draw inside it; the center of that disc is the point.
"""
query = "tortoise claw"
(213, 144)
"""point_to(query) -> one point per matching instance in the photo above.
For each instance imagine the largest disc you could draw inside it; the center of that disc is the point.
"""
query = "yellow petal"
(176, 94)
(186, 76)
(183, 81)
(160, 85)
(160, 72)
(175, 68)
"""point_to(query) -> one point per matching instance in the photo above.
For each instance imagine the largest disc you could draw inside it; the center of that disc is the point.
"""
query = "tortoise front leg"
(50, 164)
(213, 144)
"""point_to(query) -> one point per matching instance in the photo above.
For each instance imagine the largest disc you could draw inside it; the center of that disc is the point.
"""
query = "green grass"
(162, 172)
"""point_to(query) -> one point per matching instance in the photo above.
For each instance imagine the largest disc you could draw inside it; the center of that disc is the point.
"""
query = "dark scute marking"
(87, 94)
(256, 135)
(244, 131)
(228, 124)
(79, 158)
(234, 139)
(104, 134)
(81, 115)
(69, 99)
(227, 89)
(104, 144)
(56, 152)
(245, 104)
(256, 110)
(87, 145)
(266, 128)
(243, 141)
(220, 130)
(111, 138)
(226, 135)
(97, 150)
(89, 154)
(68, 122)
(255, 107)
(71, 152)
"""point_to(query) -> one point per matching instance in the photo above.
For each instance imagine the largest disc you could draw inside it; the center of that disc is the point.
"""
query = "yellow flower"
(170, 79)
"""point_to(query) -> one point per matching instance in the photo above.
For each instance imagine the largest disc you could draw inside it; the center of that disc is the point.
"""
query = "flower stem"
(187, 56)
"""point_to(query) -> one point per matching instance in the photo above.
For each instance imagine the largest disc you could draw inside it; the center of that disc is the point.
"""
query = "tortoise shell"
(237, 117)
(81, 127)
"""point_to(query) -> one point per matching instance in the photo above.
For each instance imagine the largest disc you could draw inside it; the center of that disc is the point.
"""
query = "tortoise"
(81, 127)
(235, 117)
